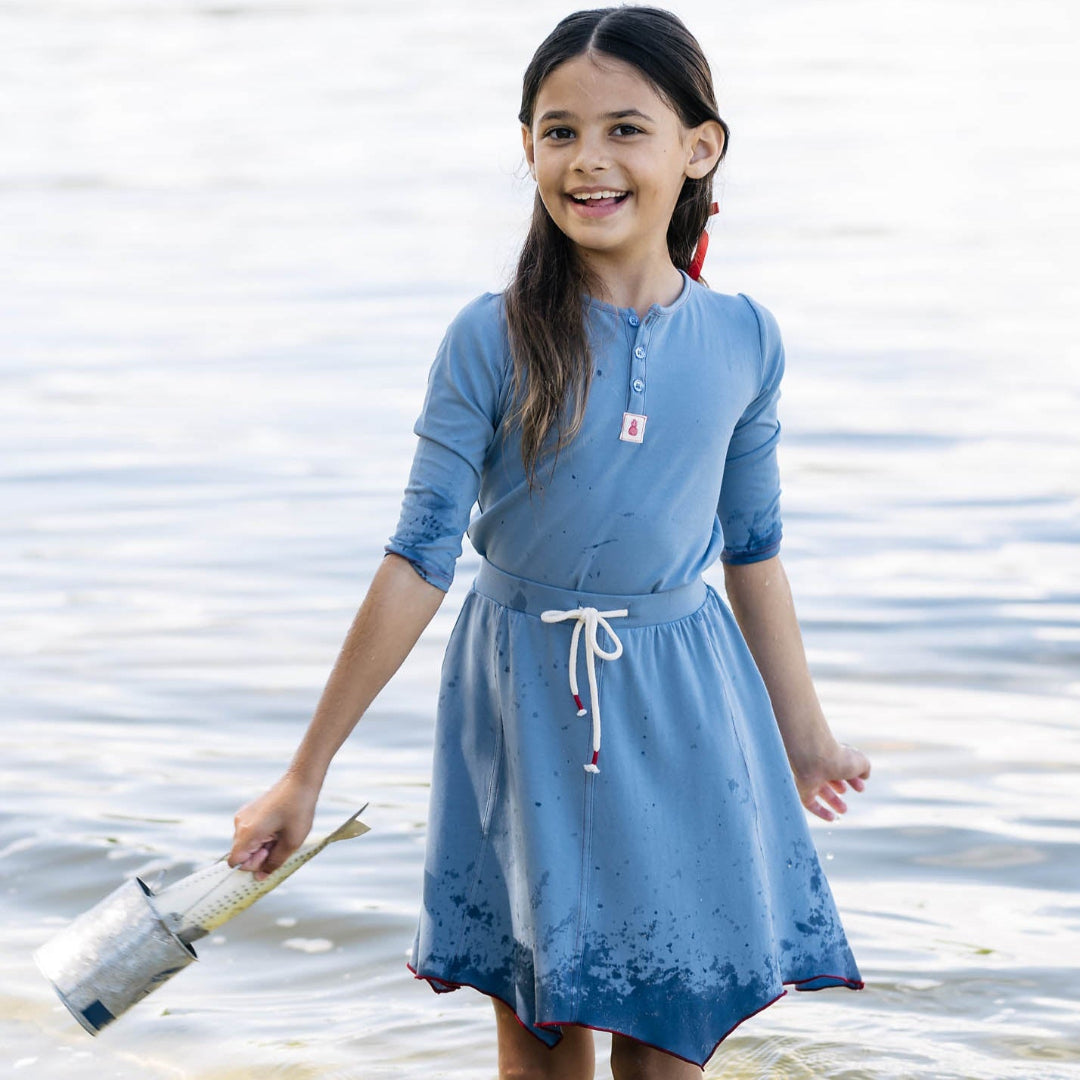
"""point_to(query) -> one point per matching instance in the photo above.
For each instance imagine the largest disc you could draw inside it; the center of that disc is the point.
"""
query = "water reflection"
(231, 255)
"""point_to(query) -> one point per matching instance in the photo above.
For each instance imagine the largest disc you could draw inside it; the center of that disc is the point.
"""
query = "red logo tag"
(633, 427)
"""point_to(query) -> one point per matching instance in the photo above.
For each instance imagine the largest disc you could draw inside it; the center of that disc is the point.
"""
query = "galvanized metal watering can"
(131, 942)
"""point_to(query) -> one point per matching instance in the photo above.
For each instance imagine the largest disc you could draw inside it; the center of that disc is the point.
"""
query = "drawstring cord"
(591, 619)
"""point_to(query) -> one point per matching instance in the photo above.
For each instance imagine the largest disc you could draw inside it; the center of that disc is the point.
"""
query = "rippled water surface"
(234, 233)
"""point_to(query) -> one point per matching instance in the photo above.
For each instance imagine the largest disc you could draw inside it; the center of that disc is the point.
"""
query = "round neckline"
(654, 309)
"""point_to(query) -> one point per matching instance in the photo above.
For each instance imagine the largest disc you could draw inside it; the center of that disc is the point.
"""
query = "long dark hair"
(544, 309)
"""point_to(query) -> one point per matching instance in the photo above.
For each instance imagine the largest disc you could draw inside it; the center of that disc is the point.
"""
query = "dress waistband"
(583, 609)
(534, 598)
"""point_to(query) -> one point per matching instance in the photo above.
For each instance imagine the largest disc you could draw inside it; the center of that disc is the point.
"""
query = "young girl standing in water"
(654, 875)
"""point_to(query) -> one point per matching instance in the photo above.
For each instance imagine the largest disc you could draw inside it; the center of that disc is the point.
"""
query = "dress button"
(639, 352)
(633, 320)
(638, 385)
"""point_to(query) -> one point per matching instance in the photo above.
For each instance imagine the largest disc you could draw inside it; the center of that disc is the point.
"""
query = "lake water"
(234, 232)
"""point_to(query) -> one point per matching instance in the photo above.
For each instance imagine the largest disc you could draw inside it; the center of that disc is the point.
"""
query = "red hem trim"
(457, 986)
(846, 983)
(851, 984)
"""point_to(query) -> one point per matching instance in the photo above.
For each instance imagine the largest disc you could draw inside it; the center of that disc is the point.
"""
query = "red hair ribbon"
(698, 261)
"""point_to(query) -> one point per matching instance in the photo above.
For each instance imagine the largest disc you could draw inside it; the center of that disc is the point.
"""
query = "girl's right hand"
(270, 828)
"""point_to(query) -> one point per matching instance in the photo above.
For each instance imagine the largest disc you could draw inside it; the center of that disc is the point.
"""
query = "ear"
(706, 144)
(530, 155)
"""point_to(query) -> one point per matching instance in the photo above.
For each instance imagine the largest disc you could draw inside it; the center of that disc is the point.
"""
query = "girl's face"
(610, 156)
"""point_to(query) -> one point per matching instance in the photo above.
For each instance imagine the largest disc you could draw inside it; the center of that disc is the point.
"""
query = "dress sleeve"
(749, 505)
(466, 393)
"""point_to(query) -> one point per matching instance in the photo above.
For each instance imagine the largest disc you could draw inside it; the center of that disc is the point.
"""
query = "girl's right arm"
(398, 606)
(468, 387)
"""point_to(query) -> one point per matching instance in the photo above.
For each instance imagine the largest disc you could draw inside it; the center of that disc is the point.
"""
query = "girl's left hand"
(822, 781)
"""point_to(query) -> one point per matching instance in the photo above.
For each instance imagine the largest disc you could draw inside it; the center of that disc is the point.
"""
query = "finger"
(257, 861)
(834, 800)
(240, 855)
(252, 863)
(839, 785)
(268, 867)
(822, 812)
(254, 857)
(857, 783)
(243, 852)
(277, 856)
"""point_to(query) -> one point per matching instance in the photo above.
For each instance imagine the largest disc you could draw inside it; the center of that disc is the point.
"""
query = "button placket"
(638, 361)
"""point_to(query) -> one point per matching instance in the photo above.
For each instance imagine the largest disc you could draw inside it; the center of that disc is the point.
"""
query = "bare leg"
(631, 1060)
(522, 1056)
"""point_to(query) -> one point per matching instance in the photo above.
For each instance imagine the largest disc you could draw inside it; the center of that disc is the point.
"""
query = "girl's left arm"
(761, 601)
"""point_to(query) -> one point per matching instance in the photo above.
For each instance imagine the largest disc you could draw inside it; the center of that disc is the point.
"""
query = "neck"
(635, 284)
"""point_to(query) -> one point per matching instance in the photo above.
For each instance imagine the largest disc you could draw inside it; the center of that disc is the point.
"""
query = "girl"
(616, 421)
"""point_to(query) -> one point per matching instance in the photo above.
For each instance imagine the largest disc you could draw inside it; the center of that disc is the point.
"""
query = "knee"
(522, 1056)
(553, 1066)
(627, 1064)
(632, 1060)
(524, 1070)
(548, 1065)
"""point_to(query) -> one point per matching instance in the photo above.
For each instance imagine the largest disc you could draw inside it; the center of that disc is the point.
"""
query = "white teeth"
(585, 196)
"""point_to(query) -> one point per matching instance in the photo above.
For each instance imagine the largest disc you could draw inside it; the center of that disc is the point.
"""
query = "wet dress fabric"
(672, 890)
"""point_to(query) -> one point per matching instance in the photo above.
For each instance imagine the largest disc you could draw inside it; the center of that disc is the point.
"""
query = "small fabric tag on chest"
(633, 427)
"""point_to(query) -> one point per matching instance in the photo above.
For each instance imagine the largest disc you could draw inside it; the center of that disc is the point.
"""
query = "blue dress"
(670, 888)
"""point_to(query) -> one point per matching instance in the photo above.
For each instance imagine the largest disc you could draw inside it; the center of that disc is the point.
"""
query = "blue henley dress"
(652, 872)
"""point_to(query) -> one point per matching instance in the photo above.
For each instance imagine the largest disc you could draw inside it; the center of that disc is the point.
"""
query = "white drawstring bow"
(590, 618)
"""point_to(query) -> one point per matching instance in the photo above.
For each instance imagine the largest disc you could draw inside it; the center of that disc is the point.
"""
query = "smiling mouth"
(600, 198)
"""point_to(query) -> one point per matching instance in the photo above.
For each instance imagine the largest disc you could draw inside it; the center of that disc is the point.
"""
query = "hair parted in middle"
(545, 308)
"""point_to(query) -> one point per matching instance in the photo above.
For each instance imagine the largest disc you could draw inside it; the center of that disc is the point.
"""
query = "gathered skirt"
(667, 896)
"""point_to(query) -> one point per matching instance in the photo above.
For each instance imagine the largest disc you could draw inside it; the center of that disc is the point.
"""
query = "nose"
(591, 154)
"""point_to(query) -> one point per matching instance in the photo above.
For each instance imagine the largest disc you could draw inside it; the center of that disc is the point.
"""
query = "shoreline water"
(230, 260)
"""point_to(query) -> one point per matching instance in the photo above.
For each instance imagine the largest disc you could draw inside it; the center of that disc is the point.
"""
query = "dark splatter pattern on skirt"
(668, 897)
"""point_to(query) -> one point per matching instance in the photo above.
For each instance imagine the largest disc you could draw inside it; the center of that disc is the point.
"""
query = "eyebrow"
(621, 114)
